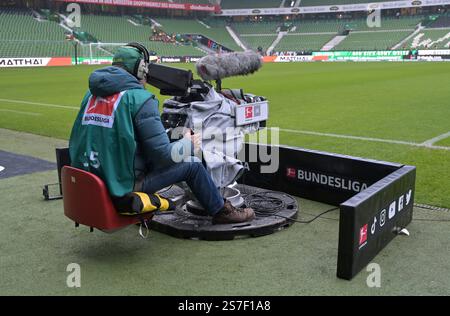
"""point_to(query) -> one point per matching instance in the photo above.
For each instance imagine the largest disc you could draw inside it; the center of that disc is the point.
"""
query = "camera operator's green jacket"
(118, 134)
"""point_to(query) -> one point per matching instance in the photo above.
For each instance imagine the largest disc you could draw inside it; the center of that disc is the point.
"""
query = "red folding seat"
(87, 202)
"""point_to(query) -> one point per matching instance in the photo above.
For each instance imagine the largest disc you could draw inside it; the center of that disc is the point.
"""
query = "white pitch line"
(370, 139)
(426, 144)
(20, 112)
(41, 104)
(430, 142)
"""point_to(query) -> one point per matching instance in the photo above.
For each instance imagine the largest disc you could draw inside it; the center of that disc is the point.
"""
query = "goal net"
(98, 53)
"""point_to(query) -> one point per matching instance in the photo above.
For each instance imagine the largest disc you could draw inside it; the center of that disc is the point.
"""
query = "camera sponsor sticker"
(252, 113)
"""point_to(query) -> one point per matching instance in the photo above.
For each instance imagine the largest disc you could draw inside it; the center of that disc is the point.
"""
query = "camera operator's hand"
(195, 139)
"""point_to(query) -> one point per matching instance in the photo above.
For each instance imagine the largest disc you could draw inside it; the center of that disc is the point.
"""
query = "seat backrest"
(87, 201)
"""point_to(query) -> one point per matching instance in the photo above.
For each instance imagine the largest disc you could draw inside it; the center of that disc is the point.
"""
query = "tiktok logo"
(374, 226)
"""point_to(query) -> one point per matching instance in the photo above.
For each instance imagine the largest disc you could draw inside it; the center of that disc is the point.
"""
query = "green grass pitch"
(383, 111)
(392, 107)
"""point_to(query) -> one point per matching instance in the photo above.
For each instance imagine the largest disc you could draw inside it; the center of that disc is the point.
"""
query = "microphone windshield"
(219, 66)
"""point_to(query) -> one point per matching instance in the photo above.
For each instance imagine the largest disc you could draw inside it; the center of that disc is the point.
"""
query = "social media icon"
(408, 197)
(374, 225)
(400, 203)
(391, 210)
(382, 218)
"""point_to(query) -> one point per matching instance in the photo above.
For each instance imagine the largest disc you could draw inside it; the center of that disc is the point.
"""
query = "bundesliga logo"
(325, 179)
(252, 111)
(103, 106)
(100, 111)
(363, 234)
(291, 173)
(249, 112)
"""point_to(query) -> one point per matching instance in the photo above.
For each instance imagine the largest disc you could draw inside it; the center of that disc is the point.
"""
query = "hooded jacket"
(118, 134)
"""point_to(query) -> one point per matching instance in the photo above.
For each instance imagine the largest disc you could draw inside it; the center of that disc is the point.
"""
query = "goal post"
(99, 53)
(102, 53)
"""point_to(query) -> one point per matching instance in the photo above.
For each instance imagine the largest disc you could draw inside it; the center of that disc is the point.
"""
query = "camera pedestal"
(185, 222)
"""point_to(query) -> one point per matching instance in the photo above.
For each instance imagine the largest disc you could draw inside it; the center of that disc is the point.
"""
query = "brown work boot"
(230, 214)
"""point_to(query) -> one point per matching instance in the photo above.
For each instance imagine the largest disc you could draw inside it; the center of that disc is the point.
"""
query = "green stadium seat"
(216, 31)
(372, 40)
(430, 38)
(21, 35)
(308, 42)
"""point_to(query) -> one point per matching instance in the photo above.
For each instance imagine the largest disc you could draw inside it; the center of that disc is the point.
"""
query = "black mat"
(12, 165)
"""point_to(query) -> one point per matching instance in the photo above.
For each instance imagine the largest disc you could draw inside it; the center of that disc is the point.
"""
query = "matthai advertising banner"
(287, 59)
(35, 62)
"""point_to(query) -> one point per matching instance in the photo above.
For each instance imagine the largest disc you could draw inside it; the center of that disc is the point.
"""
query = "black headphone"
(141, 67)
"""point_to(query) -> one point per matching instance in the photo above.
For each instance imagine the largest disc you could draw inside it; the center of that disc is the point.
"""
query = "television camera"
(221, 116)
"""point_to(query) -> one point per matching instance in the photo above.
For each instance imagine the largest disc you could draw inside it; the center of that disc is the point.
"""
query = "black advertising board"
(371, 219)
(376, 198)
(315, 175)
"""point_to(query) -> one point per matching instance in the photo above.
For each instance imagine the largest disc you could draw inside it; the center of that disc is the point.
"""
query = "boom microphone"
(219, 66)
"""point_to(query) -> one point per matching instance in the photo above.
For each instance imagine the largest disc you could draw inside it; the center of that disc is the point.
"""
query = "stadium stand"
(35, 49)
(170, 49)
(254, 42)
(304, 42)
(216, 30)
(21, 35)
(25, 35)
(47, 39)
(161, 48)
(431, 38)
(256, 27)
(20, 25)
(441, 21)
(313, 35)
(380, 40)
(388, 23)
(123, 31)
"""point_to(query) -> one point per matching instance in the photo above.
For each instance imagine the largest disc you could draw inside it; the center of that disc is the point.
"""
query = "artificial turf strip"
(38, 243)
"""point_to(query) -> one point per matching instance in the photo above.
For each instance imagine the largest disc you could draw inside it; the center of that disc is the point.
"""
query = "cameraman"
(118, 135)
